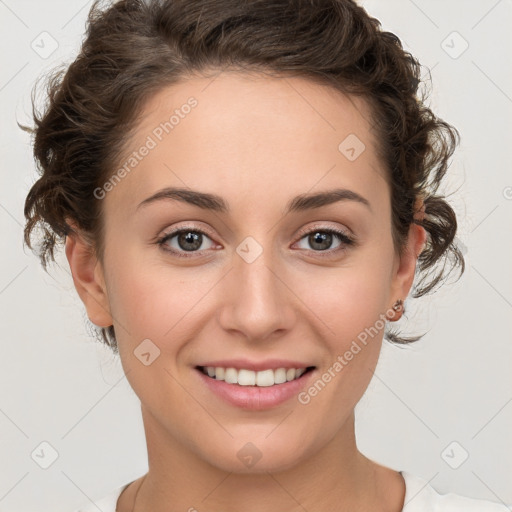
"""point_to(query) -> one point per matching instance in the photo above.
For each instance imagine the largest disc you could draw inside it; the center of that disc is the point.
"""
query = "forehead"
(251, 134)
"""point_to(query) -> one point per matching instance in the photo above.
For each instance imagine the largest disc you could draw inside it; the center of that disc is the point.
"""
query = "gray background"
(61, 387)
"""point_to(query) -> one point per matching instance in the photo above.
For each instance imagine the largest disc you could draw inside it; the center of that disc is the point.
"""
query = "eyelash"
(343, 237)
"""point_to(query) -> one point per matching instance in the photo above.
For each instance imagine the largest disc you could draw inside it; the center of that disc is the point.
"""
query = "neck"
(336, 477)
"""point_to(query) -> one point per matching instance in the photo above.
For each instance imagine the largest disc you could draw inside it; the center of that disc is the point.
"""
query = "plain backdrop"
(441, 408)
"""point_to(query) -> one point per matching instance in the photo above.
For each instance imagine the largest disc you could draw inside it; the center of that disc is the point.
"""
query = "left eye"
(322, 239)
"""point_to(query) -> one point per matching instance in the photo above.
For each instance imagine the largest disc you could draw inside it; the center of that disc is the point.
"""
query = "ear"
(406, 266)
(87, 273)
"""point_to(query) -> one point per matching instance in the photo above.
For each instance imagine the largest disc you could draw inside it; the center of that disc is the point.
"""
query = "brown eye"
(322, 239)
(184, 240)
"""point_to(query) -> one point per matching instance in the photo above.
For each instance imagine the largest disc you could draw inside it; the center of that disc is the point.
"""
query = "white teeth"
(280, 376)
(246, 378)
(231, 376)
(264, 378)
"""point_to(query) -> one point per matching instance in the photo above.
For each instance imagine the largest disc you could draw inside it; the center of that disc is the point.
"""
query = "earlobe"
(405, 273)
(88, 279)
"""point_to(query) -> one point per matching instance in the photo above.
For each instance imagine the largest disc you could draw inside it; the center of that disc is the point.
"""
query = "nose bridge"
(257, 302)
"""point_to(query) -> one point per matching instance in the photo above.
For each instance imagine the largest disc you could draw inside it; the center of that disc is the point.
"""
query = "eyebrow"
(218, 204)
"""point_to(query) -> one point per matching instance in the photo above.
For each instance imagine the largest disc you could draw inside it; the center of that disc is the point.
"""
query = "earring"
(397, 306)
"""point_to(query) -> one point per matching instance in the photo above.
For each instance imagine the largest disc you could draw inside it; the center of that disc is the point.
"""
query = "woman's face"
(251, 287)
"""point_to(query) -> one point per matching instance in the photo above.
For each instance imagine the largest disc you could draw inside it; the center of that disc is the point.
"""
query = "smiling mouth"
(263, 378)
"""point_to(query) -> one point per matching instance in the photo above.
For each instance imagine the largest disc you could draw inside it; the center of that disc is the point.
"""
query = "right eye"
(183, 240)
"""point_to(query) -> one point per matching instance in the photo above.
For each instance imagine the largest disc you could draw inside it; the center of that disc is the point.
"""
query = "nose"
(258, 301)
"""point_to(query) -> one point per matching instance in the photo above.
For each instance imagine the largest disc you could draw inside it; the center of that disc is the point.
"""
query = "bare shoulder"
(127, 496)
(391, 488)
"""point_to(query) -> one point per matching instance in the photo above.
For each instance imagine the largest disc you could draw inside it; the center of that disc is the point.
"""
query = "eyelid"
(321, 226)
(187, 226)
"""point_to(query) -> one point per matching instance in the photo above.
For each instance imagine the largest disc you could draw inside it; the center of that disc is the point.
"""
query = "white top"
(420, 496)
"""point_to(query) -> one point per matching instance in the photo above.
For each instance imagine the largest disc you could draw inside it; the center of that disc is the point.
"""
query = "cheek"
(355, 330)
(150, 299)
(348, 308)
(344, 300)
(163, 305)
(153, 320)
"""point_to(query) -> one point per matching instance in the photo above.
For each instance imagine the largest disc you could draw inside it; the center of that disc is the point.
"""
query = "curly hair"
(134, 48)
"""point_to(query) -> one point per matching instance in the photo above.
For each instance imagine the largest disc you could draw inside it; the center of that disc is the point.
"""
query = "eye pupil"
(320, 238)
(189, 237)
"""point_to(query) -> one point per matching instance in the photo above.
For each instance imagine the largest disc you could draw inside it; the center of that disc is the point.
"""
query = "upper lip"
(256, 366)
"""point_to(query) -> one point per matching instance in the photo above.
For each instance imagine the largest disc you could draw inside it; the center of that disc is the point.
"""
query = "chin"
(259, 456)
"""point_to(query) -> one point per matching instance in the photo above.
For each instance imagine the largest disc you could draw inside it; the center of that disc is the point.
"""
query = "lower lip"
(256, 398)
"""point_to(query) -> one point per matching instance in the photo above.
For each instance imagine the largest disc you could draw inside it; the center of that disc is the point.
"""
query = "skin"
(257, 142)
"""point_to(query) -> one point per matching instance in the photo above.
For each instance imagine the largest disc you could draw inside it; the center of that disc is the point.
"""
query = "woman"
(245, 191)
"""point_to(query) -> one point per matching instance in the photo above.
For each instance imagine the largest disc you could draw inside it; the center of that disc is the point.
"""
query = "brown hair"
(134, 48)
